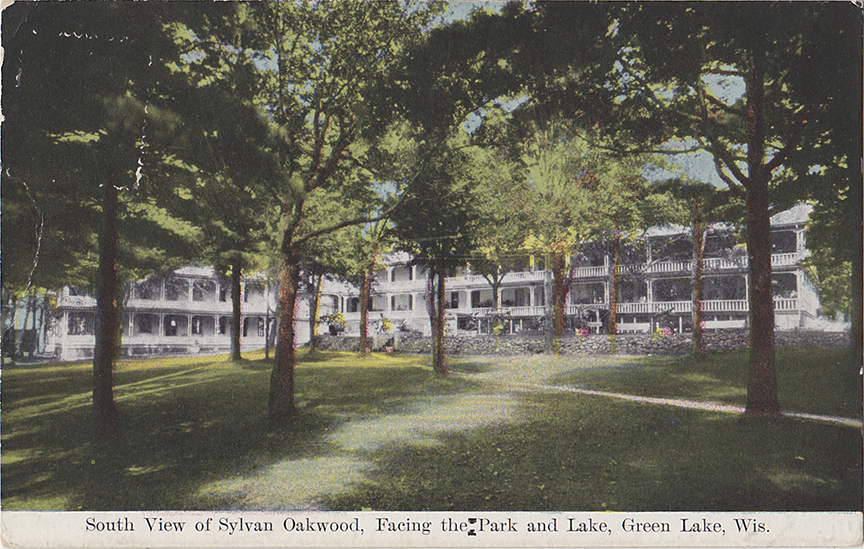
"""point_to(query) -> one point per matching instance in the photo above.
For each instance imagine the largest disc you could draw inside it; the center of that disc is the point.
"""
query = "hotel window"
(81, 323)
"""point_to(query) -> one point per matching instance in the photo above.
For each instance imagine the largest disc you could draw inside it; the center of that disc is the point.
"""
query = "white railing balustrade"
(784, 260)
(725, 306)
(588, 272)
(785, 304)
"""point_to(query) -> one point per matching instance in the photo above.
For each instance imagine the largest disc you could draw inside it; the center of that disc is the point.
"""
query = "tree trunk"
(315, 308)
(698, 253)
(106, 417)
(365, 287)
(762, 385)
(19, 345)
(13, 345)
(857, 317)
(267, 326)
(612, 328)
(432, 307)
(439, 363)
(281, 405)
(559, 292)
(236, 274)
(496, 304)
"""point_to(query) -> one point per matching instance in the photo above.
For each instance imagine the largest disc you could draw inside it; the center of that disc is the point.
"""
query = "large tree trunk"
(365, 290)
(267, 326)
(439, 363)
(698, 253)
(762, 386)
(559, 292)
(236, 274)
(281, 405)
(105, 415)
(431, 306)
(315, 308)
(857, 331)
(28, 305)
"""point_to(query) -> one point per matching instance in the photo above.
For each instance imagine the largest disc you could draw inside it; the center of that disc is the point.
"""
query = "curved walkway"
(532, 380)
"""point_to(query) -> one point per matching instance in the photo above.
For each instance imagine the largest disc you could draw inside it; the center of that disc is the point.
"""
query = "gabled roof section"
(796, 215)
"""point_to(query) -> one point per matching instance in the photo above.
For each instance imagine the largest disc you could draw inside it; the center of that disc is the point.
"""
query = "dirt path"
(299, 483)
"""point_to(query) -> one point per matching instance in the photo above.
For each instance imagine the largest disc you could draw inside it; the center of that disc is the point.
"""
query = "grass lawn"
(192, 424)
(816, 381)
(186, 422)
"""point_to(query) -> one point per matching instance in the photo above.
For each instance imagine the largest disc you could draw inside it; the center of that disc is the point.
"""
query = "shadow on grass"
(592, 454)
(184, 426)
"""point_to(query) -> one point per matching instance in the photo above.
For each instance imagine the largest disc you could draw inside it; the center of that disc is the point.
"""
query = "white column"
(191, 284)
(413, 272)
(161, 331)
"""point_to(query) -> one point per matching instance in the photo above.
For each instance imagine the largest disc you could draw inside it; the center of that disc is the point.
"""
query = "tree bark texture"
(282, 405)
(432, 307)
(439, 362)
(106, 416)
(762, 385)
(236, 327)
(857, 283)
(315, 308)
(698, 253)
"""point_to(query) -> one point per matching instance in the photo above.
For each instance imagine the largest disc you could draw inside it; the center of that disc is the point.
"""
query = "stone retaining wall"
(635, 344)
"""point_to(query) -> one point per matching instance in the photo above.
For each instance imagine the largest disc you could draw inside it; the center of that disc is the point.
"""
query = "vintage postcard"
(432, 274)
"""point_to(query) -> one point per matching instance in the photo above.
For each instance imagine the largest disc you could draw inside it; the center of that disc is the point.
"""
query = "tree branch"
(348, 223)
(721, 105)
(781, 156)
(734, 187)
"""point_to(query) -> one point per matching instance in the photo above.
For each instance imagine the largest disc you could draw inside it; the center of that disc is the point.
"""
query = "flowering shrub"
(582, 332)
(336, 322)
(661, 333)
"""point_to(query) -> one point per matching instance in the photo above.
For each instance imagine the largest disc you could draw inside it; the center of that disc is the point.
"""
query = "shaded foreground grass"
(598, 454)
(195, 437)
(186, 422)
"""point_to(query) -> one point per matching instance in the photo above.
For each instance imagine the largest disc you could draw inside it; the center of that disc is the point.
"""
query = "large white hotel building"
(188, 310)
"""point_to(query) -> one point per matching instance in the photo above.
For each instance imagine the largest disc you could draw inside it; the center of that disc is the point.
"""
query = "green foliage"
(335, 319)
(94, 121)
(833, 282)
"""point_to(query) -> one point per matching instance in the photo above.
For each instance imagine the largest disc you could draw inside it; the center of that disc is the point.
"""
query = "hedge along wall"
(631, 344)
